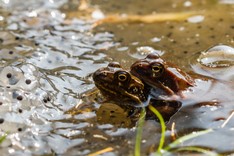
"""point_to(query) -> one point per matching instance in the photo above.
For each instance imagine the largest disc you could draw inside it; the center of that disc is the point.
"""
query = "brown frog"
(159, 74)
(119, 85)
(116, 85)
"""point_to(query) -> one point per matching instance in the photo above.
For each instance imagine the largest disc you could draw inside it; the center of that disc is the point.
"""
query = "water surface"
(48, 56)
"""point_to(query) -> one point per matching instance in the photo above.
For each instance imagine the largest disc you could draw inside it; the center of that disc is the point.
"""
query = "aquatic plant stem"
(186, 137)
(139, 133)
(163, 129)
(197, 149)
(2, 138)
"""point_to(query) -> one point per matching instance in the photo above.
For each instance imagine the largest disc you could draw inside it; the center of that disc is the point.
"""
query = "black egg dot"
(1, 103)
(9, 75)
(1, 40)
(28, 81)
(19, 129)
(19, 97)
(48, 98)
(199, 27)
(11, 52)
(20, 110)
(44, 100)
(8, 87)
(169, 34)
(36, 44)
(212, 36)
(232, 26)
(120, 40)
(185, 52)
(171, 26)
(174, 42)
(17, 38)
(1, 120)
(197, 42)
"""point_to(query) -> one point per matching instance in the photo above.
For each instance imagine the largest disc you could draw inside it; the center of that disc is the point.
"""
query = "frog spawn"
(20, 96)
(13, 48)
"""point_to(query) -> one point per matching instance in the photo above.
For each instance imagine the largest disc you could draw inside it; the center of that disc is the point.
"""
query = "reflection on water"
(46, 64)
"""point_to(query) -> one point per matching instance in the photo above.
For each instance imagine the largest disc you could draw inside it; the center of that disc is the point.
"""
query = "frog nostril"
(140, 65)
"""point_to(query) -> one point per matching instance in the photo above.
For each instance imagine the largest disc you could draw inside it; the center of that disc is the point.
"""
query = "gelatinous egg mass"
(217, 56)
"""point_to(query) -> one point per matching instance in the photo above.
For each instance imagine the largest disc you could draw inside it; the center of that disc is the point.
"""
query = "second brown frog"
(163, 77)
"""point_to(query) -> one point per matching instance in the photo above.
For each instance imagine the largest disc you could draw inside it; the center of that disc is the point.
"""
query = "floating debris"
(152, 18)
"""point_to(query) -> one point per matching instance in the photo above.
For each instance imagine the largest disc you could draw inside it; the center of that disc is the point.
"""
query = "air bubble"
(217, 57)
(216, 62)
(142, 52)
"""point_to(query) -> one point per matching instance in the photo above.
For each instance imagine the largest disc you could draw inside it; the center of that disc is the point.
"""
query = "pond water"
(49, 52)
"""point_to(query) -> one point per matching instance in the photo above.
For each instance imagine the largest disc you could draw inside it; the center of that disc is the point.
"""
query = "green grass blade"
(186, 137)
(2, 138)
(197, 149)
(139, 133)
(163, 129)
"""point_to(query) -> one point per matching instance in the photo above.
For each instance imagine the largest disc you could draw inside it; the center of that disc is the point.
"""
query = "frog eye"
(122, 76)
(157, 69)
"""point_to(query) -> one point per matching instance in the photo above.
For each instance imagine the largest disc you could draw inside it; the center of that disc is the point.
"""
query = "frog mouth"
(161, 86)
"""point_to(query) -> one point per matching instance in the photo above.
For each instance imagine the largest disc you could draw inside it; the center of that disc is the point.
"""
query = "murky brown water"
(47, 61)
